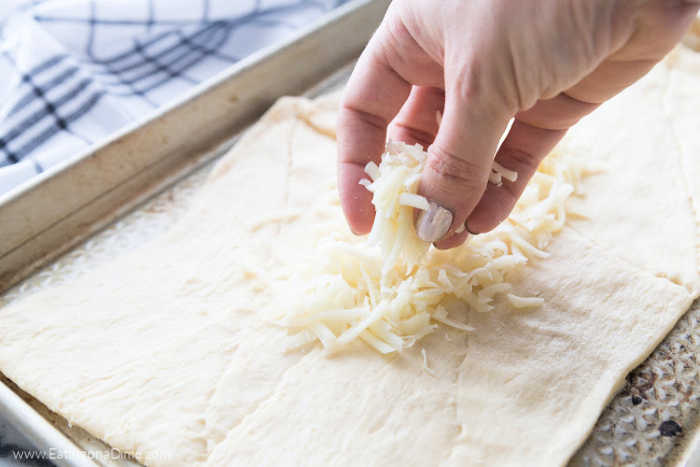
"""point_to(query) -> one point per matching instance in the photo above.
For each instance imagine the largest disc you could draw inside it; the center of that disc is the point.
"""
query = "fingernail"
(466, 226)
(433, 223)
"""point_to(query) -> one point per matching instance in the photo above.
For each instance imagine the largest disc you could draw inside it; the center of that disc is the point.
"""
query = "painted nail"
(433, 223)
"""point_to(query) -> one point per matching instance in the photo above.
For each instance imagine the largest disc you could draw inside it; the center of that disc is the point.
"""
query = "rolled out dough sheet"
(167, 353)
(681, 107)
(641, 206)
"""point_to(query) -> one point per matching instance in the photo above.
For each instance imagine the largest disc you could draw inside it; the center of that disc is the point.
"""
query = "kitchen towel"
(75, 71)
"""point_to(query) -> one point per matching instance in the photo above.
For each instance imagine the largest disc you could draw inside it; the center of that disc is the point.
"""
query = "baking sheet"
(661, 389)
(629, 432)
(147, 221)
(70, 203)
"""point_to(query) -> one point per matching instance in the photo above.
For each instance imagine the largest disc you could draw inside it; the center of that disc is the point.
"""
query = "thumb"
(459, 164)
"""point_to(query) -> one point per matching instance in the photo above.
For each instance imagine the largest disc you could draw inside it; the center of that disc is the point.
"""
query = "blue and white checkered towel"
(74, 71)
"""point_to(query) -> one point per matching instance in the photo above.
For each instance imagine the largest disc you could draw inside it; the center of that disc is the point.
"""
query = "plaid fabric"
(73, 72)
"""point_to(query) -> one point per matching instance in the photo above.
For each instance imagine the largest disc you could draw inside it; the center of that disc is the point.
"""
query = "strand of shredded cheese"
(391, 289)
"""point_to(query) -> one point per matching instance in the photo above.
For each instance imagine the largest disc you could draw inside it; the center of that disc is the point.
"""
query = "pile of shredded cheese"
(391, 289)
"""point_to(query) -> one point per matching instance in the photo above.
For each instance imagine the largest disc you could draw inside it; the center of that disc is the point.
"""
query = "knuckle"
(521, 161)
(464, 173)
(478, 84)
(352, 113)
(412, 134)
(397, 32)
(399, 47)
(468, 80)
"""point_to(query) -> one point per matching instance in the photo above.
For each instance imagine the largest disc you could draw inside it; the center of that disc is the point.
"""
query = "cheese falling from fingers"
(391, 289)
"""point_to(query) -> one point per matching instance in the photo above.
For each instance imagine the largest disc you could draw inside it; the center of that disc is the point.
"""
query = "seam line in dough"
(306, 119)
(290, 163)
(681, 156)
(208, 402)
(692, 293)
(257, 405)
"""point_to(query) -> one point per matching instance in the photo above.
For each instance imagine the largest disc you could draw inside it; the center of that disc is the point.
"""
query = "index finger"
(373, 96)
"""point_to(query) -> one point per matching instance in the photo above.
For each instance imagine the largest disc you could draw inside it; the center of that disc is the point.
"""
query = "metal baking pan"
(136, 184)
(64, 206)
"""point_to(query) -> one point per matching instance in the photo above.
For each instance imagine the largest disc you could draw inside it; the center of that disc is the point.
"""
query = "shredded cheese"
(498, 173)
(510, 175)
(413, 200)
(372, 170)
(391, 289)
(525, 302)
(426, 366)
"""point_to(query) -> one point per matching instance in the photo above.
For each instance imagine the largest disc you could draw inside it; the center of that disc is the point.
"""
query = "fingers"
(373, 96)
(417, 120)
(521, 151)
(558, 113)
(533, 135)
(537, 130)
(377, 89)
(459, 164)
(608, 79)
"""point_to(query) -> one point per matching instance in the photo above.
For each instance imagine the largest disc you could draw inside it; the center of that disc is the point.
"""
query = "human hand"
(546, 63)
